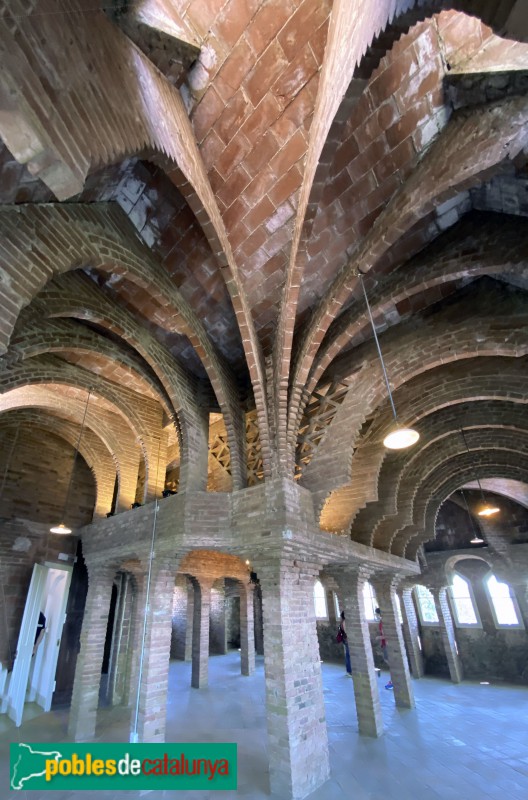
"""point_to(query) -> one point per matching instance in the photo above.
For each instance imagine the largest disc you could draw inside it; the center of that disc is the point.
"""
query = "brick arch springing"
(102, 238)
(40, 336)
(445, 169)
(451, 472)
(91, 448)
(448, 387)
(491, 464)
(415, 349)
(397, 510)
(46, 370)
(43, 397)
(349, 36)
(491, 245)
(121, 117)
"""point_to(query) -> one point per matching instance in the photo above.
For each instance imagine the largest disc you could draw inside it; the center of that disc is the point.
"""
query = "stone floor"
(467, 742)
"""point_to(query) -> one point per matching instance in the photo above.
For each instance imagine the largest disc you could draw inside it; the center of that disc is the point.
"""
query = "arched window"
(503, 603)
(426, 606)
(463, 604)
(320, 601)
(369, 601)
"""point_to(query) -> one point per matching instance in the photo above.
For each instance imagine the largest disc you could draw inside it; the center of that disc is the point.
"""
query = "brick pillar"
(217, 630)
(179, 617)
(259, 626)
(297, 736)
(399, 665)
(156, 655)
(411, 632)
(447, 633)
(200, 641)
(189, 621)
(85, 697)
(365, 677)
(247, 631)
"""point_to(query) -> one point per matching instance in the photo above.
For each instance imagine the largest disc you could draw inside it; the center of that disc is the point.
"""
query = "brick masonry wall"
(37, 478)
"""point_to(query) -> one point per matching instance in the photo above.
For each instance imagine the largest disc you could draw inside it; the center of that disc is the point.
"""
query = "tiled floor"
(467, 742)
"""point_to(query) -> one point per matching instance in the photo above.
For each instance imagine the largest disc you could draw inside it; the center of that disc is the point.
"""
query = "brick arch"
(416, 349)
(55, 336)
(104, 240)
(74, 295)
(487, 244)
(349, 36)
(120, 117)
(448, 387)
(491, 464)
(70, 409)
(446, 168)
(91, 448)
(49, 372)
(412, 522)
(397, 505)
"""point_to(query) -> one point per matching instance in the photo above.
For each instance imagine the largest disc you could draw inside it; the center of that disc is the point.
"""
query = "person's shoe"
(389, 685)
(349, 674)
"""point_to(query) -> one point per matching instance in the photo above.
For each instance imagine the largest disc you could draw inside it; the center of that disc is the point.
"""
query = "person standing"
(344, 640)
(383, 643)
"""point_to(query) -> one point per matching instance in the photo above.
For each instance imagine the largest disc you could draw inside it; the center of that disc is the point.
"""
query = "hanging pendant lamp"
(486, 510)
(62, 528)
(399, 437)
(476, 538)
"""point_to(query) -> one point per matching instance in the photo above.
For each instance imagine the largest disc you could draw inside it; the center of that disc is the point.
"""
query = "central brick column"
(200, 640)
(297, 736)
(399, 666)
(85, 697)
(447, 633)
(368, 708)
(247, 630)
(155, 655)
(411, 633)
(217, 631)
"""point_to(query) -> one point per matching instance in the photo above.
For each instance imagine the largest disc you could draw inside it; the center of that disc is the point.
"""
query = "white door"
(26, 640)
(42, 679)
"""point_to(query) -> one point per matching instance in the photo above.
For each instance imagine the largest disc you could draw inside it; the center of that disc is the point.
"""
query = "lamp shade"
(400, 438)
(62, 528)
(488, 511)
(477, 540)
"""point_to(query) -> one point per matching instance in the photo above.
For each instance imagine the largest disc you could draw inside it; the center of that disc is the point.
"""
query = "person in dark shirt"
(39, 633)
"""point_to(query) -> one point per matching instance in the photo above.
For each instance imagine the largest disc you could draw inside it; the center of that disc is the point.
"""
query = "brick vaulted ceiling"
(189, 189)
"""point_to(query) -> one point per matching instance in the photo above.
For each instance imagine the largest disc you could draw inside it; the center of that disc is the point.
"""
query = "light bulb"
(62, 528)
(400, 438)
(488, 511)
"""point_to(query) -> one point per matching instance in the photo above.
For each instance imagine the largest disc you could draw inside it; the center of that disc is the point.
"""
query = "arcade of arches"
(189, 379)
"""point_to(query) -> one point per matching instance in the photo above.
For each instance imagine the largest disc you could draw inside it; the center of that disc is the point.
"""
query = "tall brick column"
(368, 708)
(411, 633)
(200, 640)
(399, 665)
(447, 633)
(190, 622)
(85, 697)
(156, 655)
(247, 631)
(217, 631)
(297, 736)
